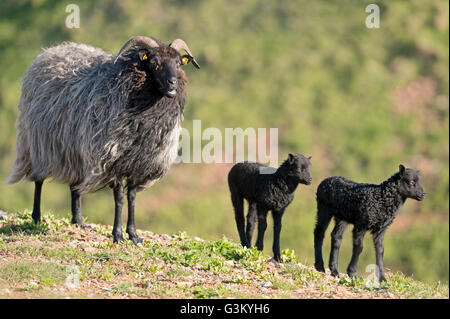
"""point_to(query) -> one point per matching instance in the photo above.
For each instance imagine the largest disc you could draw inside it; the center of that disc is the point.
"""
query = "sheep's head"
(162, 62)
(299, 168)
(410, 184)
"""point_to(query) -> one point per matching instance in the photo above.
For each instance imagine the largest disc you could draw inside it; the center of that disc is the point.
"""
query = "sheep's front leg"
(262, 226)
(131, 228)
(378, 240)
(277, 215)
(358, 238)
(76, 207)
(118, 199)
(36, 214)
(336, 239)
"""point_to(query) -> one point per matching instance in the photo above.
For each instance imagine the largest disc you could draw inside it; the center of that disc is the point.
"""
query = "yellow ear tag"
(184, 60)
(144, 57)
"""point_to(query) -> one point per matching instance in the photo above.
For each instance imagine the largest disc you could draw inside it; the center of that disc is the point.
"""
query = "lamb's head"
(162, 62)
(298, 167)
(410, 184)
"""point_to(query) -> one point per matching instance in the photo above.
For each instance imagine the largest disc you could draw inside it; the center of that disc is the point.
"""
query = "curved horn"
(178, 45)
(141, 41)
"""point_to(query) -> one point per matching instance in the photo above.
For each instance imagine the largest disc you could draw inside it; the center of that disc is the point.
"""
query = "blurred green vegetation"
(360, 101)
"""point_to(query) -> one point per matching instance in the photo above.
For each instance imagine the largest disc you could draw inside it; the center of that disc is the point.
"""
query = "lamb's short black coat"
(265, 189)
(368, 207)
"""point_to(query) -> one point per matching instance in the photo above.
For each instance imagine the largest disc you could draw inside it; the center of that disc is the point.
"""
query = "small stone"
(149, 286)
(165, 236)
(229, 263)
(266, 284)
(197, 238)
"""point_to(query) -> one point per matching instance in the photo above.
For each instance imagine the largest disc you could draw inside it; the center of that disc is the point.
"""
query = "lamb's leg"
(118, 199)
(262, 226)
(76, 207)
(336, 239)
(252, 218)
(277, 215)
(323, 219)
(238, 204)
(378, 240)
(131, 228)
(36, 214)
(358, 239)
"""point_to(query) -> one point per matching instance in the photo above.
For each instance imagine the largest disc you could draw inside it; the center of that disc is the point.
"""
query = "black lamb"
(368, 207)
(265, 188)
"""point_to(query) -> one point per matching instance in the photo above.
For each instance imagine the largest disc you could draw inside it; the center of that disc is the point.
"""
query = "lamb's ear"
(310, 157)
(291, 158)
(401, 169)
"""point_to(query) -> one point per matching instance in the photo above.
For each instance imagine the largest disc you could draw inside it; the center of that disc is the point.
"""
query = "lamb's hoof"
(274, 260)
(335, 273)
(352, 275)
(382, 278)
(136, 239)
(117, 238)
(81, 225)
(319, 268)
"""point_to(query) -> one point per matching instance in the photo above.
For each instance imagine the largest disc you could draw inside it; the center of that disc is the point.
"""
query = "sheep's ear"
(291, 158)
(143, 55)
(310, 157)
(401, 169)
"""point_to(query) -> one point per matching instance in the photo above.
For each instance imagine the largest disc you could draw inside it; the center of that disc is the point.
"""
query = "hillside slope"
(59, 260)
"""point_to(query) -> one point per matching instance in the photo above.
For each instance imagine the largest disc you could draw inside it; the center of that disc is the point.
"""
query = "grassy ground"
(58, 260)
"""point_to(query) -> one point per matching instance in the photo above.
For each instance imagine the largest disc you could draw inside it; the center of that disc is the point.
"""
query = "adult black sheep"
(91, 119)
(368, 207)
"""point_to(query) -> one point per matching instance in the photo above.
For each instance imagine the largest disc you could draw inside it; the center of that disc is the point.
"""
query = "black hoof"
(352, 275)
(335, 273)
(79, 224)
(117, 238)
(36, 218)
(136, 239)
(320, 268)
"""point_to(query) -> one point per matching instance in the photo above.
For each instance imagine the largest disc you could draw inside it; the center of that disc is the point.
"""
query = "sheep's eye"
(184, 60)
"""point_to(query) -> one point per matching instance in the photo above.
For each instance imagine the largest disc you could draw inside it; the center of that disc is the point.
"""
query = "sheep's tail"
(22, 162)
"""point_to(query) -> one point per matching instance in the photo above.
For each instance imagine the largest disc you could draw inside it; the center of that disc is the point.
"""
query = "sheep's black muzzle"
(420, 197)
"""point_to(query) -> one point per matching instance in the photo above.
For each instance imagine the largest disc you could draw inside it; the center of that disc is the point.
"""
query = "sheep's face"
(300, 168)
(410, 184)
(164, 67)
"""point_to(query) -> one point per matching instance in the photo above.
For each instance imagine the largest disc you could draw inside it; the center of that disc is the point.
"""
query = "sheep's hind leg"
(358, 239)
(336, 239)
(277, 215)
(252, 219)
(118, 199)
(131, 228)
(323, 219)
(238, 204)
(36, 214)
(76, 207)
(262, 226)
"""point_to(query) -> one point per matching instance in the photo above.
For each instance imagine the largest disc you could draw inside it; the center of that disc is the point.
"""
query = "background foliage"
(360, 101)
